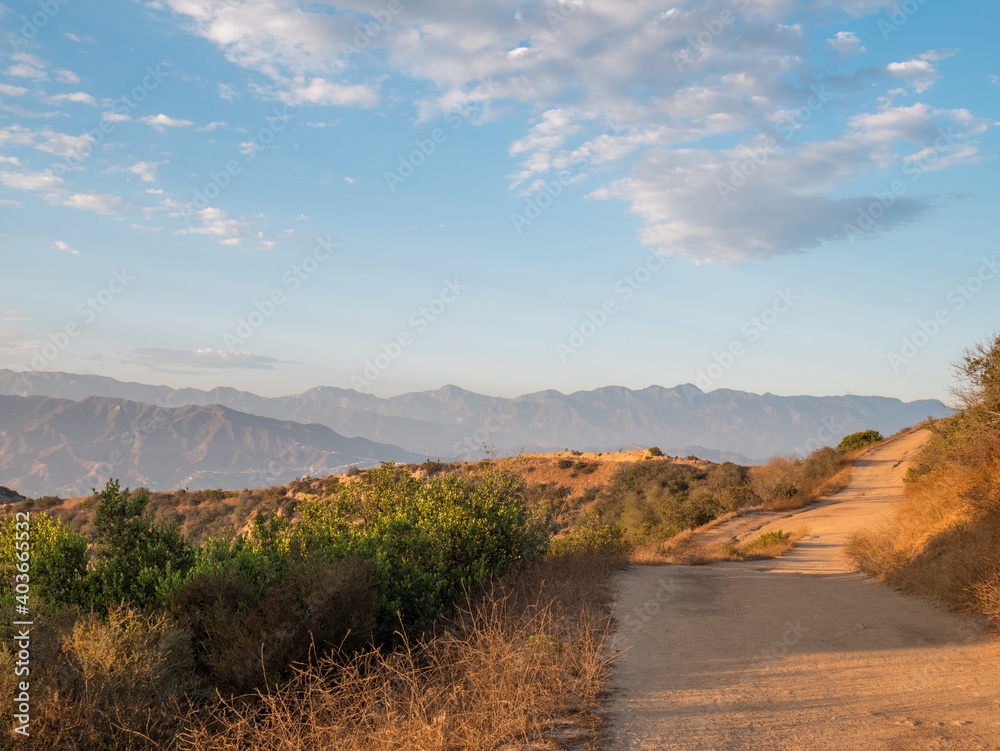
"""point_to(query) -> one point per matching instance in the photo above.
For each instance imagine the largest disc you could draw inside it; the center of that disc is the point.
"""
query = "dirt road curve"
(801, 652)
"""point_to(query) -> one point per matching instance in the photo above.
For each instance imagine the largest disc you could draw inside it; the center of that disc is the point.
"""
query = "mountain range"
(223, 436)
(64, 447)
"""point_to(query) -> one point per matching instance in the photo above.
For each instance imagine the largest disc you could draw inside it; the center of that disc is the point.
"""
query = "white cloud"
(846, 43)
(215, 222)
(81, 97)
(145, 170)
(8, 90)
(10, 160)
(8, 202)
(161, 122)
(616, 88)
(30, 181)
(52, 142)
(159, 358)
(67, 76)
(102, 203)
(22, 70)
(115, 117)
(920, 74)
(782, 202)
(212, 126)
(322, 91)
(60, 245)
(935, 55)
(226, 91)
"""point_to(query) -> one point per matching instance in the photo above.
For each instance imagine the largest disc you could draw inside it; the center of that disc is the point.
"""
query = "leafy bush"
(859, 440)
(766, 540)
(135, 558)
(353, 472)
(57, 564)
(427, 540)
(655, 451)
(592, 538)
(565, 463)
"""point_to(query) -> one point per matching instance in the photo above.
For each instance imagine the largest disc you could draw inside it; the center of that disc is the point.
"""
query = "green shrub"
(859, 440)
(565, 463)
(427, 540)
(765, 540)
(592, 538)
(655, 451)
(57, 564)
(135, 558)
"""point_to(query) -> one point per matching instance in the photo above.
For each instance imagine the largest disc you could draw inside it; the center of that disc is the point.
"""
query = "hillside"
(451, 422)
(57, 446)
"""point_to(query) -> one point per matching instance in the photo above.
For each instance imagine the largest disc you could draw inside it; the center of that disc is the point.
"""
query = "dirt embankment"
(801, 652)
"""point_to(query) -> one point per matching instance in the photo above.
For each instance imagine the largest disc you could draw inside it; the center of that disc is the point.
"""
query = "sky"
(764, 195)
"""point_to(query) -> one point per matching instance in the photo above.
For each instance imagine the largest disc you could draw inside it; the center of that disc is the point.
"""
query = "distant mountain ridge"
(58, 446)
(451, 421)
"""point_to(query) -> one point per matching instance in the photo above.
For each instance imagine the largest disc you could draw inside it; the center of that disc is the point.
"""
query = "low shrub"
(860, 440)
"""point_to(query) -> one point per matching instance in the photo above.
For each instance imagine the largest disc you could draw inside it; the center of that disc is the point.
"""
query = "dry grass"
(785, 484)
(766, 545)
(521, 664)
(120, 682)
(690, 549)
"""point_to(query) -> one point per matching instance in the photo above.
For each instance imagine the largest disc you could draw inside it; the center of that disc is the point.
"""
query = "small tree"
(655, 451)
(979, 374)
(135, 557)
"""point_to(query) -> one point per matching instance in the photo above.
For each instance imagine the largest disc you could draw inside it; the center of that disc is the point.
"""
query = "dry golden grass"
(521, 664)
(689, 549)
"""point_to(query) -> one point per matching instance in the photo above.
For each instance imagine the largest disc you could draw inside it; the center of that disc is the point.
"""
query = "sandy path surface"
(801, 652)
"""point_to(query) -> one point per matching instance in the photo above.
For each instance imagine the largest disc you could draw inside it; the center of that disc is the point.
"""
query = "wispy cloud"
(64, 246)
(173, 360)
(161, 122)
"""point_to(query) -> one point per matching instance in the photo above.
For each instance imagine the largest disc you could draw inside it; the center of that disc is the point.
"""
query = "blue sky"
(767, 195)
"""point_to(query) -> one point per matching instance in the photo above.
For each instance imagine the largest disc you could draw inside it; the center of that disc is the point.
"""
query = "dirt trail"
(801, 652)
